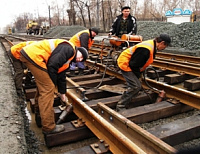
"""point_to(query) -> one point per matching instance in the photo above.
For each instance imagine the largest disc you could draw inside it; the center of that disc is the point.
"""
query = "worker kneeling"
(48, 61)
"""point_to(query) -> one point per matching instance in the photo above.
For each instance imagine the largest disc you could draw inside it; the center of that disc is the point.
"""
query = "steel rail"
(10, 44)
(178, 57)
(15, 37)
(181, 95)
(146, 141)
(119, 142)
(179, 62)
(177, 67)
(184, 96)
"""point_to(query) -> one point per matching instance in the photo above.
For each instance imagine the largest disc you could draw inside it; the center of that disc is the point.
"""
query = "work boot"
(120, 106)
(123, 102)
(38, 120)
(19, 93)
(57, 129)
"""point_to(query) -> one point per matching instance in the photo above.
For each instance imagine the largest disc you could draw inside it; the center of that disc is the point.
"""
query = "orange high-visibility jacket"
(40, 52)
(15, 49)
(125, 56)
(76, 39)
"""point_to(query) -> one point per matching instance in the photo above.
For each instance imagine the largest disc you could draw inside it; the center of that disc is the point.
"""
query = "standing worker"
(14, 54)
(124, 24)
(84, 39)
(48, 60)
(133, 61)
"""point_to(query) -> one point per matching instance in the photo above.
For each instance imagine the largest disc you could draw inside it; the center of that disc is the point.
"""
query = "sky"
(10, 9)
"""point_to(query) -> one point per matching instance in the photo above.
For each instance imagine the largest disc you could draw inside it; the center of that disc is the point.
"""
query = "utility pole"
(49, 16)
(97, 21)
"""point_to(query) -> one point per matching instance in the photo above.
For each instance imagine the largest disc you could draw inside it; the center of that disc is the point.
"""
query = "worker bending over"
(135, 60)
(48, 60)
(84, 39)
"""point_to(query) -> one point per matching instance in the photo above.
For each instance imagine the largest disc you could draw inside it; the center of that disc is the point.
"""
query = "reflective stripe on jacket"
(15, 49)
(76, 39)
(40, 52)
(125, 56)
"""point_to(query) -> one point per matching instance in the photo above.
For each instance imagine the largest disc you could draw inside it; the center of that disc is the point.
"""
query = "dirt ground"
(12, 129)
(16, 137)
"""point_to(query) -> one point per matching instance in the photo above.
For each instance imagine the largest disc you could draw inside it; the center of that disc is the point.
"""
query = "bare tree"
(71, 14)
(121, 3)
(81, 5)
(89, 16)
(104, 26)
(21, 21)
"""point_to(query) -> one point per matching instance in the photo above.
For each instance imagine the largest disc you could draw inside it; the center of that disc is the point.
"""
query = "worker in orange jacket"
(84, 39)
(133, 61)
(14, 54)
(48, 60)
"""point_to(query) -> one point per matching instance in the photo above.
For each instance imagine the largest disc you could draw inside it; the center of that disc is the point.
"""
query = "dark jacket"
(84, 37)
(62, 52)
(58, 57)
(131, 26)
(139, 58)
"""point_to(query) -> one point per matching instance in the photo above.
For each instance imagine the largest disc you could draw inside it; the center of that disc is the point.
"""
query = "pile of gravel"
(63, 31)
(185, 36)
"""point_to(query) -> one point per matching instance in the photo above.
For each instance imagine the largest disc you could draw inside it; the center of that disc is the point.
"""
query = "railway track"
(146, 126)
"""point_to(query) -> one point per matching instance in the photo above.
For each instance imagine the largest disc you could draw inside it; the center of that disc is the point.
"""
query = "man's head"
(94, 31)
(82, 54)
(126, 11)
(162, 41)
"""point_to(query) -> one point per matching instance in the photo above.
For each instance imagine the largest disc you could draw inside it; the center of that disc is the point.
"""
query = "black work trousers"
(19, 72)
(134, 86)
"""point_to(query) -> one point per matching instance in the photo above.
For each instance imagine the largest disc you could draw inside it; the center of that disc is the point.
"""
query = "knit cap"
(84, 52)
(166, 38)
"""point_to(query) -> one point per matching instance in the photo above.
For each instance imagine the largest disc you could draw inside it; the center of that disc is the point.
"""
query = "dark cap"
(84, 52)
(96, 30)
(166, 38)
(125, 7)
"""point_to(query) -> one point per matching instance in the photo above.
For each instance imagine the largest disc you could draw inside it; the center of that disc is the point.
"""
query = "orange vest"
(41, 51)
(125, 56)
(76, 39)
(15, 49)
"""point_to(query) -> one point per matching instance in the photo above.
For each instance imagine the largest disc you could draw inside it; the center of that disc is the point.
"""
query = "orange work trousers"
(46, 90)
